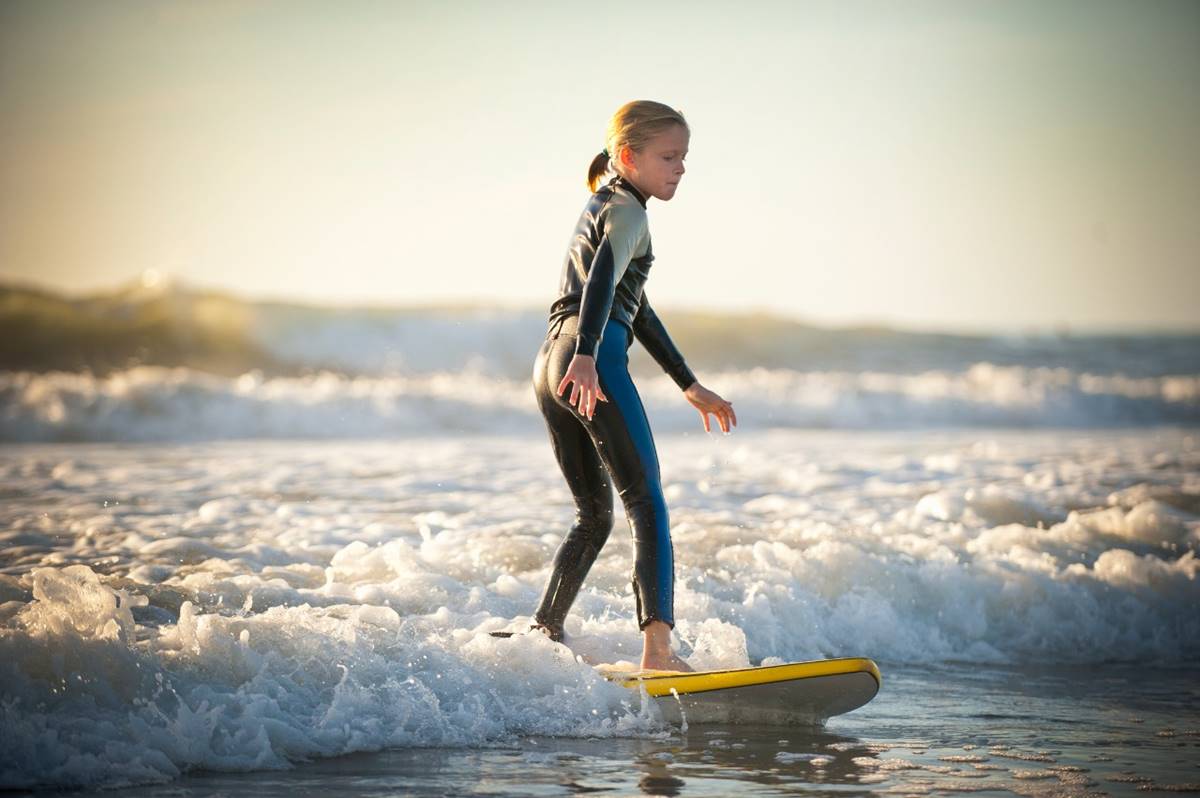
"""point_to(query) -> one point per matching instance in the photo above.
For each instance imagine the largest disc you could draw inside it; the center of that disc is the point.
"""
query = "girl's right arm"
(624, 226)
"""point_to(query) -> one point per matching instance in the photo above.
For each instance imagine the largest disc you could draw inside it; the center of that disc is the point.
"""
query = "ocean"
(266, 558)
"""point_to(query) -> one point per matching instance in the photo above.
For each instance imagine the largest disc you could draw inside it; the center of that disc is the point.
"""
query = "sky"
(957, 166)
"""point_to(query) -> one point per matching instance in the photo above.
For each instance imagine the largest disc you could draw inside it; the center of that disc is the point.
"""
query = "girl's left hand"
(707, 402)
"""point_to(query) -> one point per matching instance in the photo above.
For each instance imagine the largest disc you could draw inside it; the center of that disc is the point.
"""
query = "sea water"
(264, 558)
(267, 615)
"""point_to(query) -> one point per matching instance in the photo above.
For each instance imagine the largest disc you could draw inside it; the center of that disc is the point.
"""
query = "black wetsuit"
(600, 309)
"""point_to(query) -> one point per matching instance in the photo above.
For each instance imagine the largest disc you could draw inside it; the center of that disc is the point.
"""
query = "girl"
(599, 430)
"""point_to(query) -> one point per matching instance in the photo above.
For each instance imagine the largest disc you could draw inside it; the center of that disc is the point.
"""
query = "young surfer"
(598, 429)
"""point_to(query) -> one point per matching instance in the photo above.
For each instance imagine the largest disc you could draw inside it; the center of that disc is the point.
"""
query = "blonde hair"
(632, 126)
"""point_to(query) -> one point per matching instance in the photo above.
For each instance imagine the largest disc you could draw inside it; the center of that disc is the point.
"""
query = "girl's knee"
(646, 509)
(596, 515)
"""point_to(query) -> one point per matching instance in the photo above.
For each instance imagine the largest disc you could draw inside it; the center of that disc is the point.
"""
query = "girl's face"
(658, 168)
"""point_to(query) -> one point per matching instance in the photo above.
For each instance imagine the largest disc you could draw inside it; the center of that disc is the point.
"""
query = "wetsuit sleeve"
(624, 226)
(650, 332)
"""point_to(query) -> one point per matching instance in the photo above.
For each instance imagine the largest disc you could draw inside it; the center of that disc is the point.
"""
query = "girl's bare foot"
(554, 634)
(670, 663)
(656, 649)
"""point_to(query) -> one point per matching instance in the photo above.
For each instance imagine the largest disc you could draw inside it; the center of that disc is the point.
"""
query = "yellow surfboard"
(793, 693)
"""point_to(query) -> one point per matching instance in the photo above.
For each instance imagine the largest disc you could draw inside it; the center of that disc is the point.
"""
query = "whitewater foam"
(159, 404)
(238, 606)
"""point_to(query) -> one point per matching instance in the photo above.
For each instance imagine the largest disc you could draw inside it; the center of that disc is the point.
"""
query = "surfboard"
(788, 694)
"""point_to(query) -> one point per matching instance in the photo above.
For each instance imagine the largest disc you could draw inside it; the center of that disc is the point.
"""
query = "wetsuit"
(601, 307)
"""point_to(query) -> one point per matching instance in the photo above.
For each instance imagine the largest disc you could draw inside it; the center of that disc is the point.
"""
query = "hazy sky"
(937, 165)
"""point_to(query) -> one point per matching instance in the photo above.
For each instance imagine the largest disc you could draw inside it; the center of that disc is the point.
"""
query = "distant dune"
(178, 325)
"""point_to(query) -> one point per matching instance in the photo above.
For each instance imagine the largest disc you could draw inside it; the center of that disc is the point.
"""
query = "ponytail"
(597, 169)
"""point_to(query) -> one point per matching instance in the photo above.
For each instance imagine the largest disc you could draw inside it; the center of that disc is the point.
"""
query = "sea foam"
(178, 404)
(239, 605)
(84, 703)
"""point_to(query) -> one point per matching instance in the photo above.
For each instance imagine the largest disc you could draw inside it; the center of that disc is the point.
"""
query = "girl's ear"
(625, 155)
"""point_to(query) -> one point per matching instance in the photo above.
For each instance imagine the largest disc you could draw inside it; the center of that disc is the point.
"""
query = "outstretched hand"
(585, 385)
(707, 402)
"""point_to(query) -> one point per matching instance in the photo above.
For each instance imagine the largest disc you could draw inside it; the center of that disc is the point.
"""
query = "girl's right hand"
(586, 385)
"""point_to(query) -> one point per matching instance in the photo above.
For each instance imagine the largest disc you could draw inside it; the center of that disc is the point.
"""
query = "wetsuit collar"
(630, 188)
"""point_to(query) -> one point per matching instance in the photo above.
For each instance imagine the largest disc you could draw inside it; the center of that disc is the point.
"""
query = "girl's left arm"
(650, 332)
